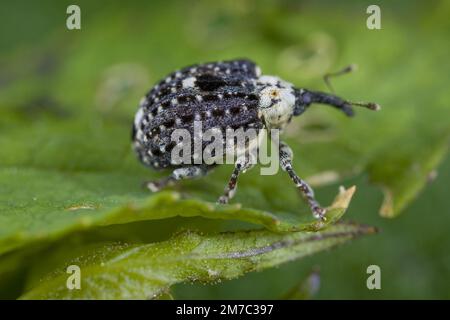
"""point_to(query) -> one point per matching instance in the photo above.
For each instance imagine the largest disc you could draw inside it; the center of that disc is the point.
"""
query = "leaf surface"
(147, 271)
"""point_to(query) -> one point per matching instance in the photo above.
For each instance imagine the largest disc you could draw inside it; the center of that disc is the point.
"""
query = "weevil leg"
(190, 172)
(241, 165)
(306, 190)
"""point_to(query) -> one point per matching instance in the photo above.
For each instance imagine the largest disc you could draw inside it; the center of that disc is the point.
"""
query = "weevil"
(226, 94)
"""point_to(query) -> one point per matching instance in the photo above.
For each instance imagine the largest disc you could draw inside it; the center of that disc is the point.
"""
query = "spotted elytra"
(223, 95)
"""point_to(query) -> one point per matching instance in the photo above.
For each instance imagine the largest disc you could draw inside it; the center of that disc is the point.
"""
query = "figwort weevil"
(227, 94)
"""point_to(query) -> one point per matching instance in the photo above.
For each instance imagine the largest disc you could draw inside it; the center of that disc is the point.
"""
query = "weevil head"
(279, 100)
(276, 101)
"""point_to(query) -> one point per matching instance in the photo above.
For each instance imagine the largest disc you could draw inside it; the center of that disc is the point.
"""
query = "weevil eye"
(274, 93)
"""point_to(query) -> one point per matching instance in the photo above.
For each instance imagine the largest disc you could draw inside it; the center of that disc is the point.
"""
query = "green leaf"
(403, 173)
(121, 271)
(45, 205)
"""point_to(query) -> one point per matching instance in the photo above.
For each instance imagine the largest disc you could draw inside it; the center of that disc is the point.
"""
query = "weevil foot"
(223, 200)
(319, 213)
(153, 186)
(158, 185)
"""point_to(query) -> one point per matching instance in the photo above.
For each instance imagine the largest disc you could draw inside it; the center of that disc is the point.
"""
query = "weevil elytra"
(227, 94)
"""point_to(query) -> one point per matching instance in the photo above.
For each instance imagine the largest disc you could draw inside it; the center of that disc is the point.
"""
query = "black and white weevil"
(226, 94)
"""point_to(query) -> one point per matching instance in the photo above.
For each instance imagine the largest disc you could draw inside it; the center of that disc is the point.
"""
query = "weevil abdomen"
(219, 95)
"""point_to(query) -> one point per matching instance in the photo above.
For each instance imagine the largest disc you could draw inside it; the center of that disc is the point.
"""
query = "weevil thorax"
(276, 101)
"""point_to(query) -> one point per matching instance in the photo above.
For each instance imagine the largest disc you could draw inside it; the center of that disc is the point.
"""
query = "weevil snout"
(304, 98)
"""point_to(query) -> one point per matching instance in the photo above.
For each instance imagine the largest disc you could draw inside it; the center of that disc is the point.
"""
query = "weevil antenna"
(347, 69)
(335, 101)
(369, 105)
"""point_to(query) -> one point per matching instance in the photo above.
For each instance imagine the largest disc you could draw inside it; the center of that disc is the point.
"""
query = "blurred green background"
(102, 70)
